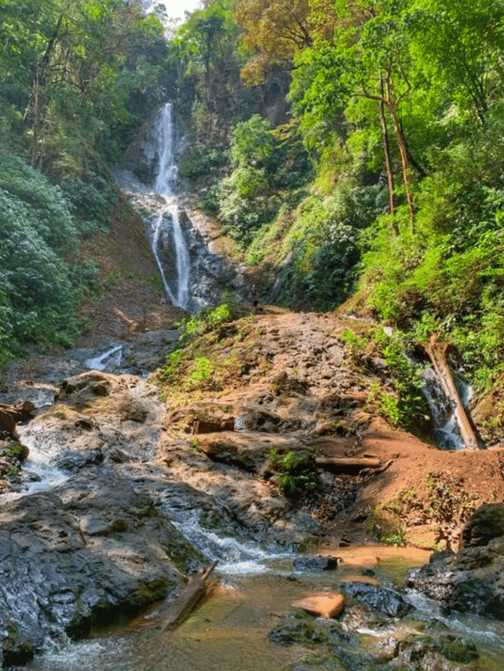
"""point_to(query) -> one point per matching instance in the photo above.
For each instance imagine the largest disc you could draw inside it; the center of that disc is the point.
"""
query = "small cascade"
(166, 227)
(234, 556)
(445, 412)
(112, 357)
(446, 431)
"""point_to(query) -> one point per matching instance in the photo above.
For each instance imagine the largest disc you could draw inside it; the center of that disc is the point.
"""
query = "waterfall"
(444, 413)
(167, 222)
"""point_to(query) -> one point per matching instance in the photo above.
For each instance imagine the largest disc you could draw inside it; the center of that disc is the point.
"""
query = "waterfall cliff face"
(166, 226)
(192, 274)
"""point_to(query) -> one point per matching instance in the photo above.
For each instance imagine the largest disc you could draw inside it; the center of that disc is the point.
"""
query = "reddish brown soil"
(130, 300)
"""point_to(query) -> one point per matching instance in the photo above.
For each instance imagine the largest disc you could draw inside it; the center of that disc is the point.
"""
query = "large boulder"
(472, 579)
(92, 551)
(486, 523)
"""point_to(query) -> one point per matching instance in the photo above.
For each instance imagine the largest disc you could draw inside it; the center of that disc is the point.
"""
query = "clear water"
(444, 413)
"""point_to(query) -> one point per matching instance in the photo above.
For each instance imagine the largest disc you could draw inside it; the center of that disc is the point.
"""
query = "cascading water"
(445, 419)
(166, 226)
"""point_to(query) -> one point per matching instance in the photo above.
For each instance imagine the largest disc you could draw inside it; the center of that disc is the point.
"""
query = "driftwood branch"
(437, 354)
(347, 464)
(187, 600)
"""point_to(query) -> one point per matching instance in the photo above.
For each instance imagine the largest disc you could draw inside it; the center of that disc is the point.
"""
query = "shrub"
(39, 287)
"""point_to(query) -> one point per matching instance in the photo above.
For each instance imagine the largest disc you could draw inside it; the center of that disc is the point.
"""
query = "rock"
(74, 461)
(469, 581)
(497, 545)
(8, 425)
(87, 553)
(248, 450)
(315, 563)
(322, 605)
(385, 601)
(425, 652)
(81, 390)
(294, 632)
(148, 350)
(485, 523)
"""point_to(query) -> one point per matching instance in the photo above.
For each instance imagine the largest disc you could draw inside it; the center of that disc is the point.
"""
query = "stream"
(255, 590)
(229, 631)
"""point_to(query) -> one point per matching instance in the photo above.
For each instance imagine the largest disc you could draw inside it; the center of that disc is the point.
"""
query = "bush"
(39, 288)
(91, 199)
(294, 472)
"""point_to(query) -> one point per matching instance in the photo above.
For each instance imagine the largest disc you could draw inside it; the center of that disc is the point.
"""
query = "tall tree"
(67, 57)
(459, 47)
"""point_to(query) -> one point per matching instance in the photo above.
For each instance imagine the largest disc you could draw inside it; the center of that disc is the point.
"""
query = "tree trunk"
(391, 103)
(188, 599)
(388, 162)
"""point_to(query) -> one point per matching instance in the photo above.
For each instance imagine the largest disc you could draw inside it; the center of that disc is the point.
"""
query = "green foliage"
(209, 319)
(245, 202)
(322, 243)
(295, 473)
(202, 370)
(266, 163)
(409, 409)
(253, 143)
(91, 198)
(69, 71)
(190, 367)
(41, 278)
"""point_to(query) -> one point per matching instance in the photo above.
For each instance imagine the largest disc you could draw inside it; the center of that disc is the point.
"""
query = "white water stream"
(444, 412)
(168, 214)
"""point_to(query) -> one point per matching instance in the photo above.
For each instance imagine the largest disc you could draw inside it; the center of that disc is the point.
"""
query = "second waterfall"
(166, 228)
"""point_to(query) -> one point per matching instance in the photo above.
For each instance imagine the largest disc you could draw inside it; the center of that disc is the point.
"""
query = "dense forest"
(354, 148)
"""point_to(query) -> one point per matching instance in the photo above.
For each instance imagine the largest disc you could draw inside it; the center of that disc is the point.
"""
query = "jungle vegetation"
(356, 147)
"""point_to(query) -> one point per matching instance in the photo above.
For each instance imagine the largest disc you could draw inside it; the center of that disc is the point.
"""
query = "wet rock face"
(473, 579)
(344, 648)
(72, 558)
(315, 564)
(386, 601)
(96, 546)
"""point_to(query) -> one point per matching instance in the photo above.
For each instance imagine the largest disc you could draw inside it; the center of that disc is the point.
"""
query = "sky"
(175, 8)
(178, 7)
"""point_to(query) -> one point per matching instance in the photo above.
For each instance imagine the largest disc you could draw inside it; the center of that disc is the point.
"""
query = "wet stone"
(296, 632)
(315, 563)
(74, 461)
(385, 601)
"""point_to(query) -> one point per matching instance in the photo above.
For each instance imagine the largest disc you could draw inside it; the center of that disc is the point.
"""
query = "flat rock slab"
(322, 605)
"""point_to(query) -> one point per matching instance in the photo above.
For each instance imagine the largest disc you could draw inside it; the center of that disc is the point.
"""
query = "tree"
(274, 31)
(67, 58)
(365, 58)
(458, 46)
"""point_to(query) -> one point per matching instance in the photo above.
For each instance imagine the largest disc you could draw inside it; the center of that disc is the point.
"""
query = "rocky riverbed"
(105, 514)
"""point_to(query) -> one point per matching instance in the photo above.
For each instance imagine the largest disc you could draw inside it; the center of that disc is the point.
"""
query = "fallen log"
(437, 354)
(347, 464)
(187, 600)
